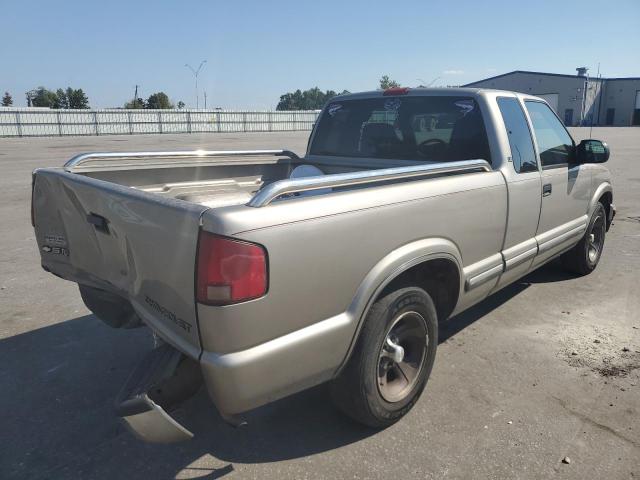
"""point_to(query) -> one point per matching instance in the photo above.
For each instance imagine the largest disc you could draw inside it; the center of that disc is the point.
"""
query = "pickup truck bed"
(136, 223)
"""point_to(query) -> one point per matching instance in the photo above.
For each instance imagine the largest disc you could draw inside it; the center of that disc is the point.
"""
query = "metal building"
(577, 99)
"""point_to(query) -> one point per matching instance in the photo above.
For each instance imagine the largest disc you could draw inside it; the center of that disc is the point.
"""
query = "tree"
(386, 82)
(62, 101)
(136, 103)
(180, 104)
(76, 98)
(312, 99)
(69, 98)
(159, 100)
(41, 97)
(7, 100)
(290, 101)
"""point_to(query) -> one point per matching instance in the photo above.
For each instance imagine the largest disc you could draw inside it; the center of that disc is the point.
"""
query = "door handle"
(99, 222)
(546, 190)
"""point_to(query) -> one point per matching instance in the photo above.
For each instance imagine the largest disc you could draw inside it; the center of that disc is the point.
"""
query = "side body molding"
(520, 253)
(480, 272)
(390, 267)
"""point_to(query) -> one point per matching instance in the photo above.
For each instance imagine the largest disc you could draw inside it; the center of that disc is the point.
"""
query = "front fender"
(600, 190)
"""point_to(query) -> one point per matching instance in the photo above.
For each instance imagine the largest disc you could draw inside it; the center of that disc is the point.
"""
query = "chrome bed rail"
(194, 155)
(281, 187)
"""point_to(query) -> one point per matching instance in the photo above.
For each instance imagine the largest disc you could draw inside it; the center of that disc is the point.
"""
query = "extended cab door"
(522, 174)
(566, 186)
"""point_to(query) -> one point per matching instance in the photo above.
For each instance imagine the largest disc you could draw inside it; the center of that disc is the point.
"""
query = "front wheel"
(584, 257)
(392, 359)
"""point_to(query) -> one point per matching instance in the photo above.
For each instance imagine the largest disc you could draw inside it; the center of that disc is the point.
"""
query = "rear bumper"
(161, 381)
(244, 380)
(236, 382)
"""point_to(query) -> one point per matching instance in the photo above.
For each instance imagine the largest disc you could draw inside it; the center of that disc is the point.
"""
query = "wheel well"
(438, 277)
(606, 199)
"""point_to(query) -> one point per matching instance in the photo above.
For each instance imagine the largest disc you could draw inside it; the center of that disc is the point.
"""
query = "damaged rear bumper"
(161, 381)
(236, 382)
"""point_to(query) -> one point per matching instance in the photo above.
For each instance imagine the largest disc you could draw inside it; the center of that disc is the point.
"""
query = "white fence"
(25, 122)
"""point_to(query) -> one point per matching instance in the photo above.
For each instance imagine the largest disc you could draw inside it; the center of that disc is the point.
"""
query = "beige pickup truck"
(265, 273)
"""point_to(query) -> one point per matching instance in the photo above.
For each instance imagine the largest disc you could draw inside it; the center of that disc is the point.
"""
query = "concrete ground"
(546, 369)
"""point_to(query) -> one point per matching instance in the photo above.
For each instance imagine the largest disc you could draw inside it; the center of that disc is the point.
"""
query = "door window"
(554, 142)
(522, 153)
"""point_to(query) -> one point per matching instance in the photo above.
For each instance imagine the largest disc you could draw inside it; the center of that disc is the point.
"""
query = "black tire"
(584, 257)
(361, 387)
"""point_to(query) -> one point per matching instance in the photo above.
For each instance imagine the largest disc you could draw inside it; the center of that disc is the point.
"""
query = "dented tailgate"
(135, 244)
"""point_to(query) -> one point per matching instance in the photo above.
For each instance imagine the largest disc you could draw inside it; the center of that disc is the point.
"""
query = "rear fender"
(389, 268)
(242, 380)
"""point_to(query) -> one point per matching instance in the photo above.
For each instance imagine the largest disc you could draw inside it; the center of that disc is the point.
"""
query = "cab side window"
(522, 152)
(554, 142)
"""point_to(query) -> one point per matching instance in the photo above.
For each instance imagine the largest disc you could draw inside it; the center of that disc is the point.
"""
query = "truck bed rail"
(282, 187)
(94, 160)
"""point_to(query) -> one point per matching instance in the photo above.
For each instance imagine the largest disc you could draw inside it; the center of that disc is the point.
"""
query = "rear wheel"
(584, 257)
(392, 359)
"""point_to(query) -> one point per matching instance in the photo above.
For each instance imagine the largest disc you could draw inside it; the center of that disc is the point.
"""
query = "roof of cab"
(413, 92)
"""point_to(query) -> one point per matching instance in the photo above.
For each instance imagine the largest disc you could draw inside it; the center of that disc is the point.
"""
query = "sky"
(259, 50)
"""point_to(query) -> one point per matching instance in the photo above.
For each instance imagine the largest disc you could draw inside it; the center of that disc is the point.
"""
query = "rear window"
(404, 128)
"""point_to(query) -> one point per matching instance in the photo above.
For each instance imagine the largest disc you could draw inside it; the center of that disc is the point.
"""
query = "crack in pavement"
(592, 422)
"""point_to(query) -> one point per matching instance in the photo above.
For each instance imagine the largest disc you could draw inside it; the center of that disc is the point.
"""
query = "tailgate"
(136, 244)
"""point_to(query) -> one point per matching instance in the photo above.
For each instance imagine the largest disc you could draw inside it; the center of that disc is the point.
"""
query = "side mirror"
(592, 151)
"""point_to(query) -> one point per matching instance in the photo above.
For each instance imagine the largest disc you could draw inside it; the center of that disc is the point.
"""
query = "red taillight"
(229, 271)
(396, 91)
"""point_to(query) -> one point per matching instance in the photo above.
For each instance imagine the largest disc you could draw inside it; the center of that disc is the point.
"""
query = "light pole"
(430, 83)
(433, 81)
(195, 74)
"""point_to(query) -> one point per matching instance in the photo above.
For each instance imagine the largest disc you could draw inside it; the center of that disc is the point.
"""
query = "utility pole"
(583, 72)
(195, 74)
(205, 99)
(586, 98)
(599, 93)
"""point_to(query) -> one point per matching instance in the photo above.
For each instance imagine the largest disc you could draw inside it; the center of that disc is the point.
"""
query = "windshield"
(405, 128)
